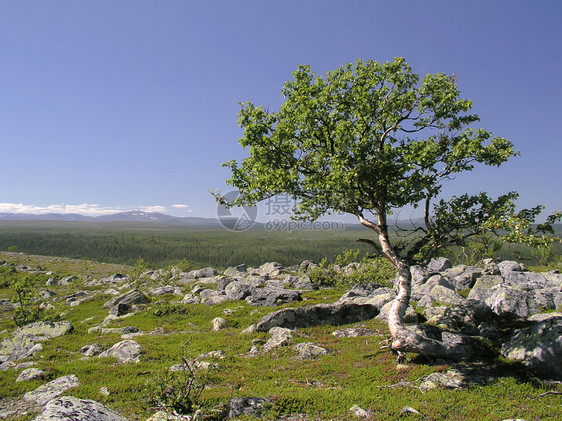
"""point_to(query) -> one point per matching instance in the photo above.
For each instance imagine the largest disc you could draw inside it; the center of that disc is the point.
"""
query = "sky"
(111, 106)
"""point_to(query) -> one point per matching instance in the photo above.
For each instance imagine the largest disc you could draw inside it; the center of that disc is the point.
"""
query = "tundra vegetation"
(368, 139)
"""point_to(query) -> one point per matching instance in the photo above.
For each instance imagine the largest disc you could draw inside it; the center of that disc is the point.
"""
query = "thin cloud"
(87, 209)
(180, 206)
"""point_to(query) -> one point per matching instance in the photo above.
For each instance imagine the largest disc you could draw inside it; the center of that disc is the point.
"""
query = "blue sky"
(109, 106)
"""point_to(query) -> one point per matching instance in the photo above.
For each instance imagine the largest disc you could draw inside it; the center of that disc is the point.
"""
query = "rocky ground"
(499, 308)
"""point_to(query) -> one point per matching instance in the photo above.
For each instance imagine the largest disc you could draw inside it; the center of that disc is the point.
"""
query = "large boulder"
(506, 301)
(438, 265)
(538, 347)
(134, 296)
(69, 408)
(271, 297)
(482, 288)
(237, 290)
(42, 331)
(320, 314)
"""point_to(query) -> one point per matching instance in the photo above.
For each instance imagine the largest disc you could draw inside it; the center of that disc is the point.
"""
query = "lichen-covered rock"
(506, 301)
(539, 347)
(308, 350)
(483, 285)
(237, 290)
(438, 265)
(218, 323)
(18, 348)
(246, 406)
(69, 408)
(134, 296)
(353, 332)
(30, 374)
(42, 331)
(462, 276)
(51, 390)
(127, 351)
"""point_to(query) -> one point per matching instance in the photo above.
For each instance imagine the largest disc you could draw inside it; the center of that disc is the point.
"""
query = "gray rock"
(235, 271)
(120, 309)
(134, 296)
(91, 350)
(279, 337)
(237, 290)
(218, 323)
(483, 285)
(360, 412)
(425, 289)
(202, 273)
(46, 294)
(69, 408)
(246, 406)
(510, 266)
(270, 268)
(127, 351)
(18, 348)
(464, 317)
(506, 301)
(353, 332)
(51, 390)
(308, 351)
(212, 297)
(42, 331)
(444, 295)
(538, 347)
(190, 299)
(462, 277)
(30, 374)
(167, 289)
(320, 314)
(272, 296)
(438, 265)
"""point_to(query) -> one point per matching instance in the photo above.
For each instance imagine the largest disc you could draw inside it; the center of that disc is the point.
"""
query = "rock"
(409, 410)
(307, 265)
(190, 299)
(46, 294)
(272, 296)
(237, 290)
(120, 309)
(483, 285)
(353, 332)
(7, 365)
(279, 337)
(115, 278)
(320, 314)
(134, 296)
(438, 265)
(91, 350)
(30, 374)
(235, 271)
(462, 277)
(270, 268)
(168, 289)
(308, 350)
(360, 412)
(538, 347)
(510, 266)
(18, 348)
(218, 323)
(463, 317)
(127, 351)
(51, 390)
(246, 406)
(425, 289)
(202, 273)
(211, 297)
(444, 295)
(42, 331)
(69, 408)
(506, 301)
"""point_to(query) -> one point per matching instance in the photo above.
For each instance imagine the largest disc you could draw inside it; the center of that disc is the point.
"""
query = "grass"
(357, 371)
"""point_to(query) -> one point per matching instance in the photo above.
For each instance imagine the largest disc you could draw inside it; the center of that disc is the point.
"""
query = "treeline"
(162, 246)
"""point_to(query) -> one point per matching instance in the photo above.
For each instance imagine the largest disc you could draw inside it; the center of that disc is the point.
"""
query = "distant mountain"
(130, 216)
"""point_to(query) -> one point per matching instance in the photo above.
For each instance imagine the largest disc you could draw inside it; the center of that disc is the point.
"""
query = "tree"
(368, 139)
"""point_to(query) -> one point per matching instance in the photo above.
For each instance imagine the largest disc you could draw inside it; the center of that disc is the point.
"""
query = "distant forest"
(161, 245)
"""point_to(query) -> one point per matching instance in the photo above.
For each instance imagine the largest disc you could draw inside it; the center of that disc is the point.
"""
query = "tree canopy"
(366, 139)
